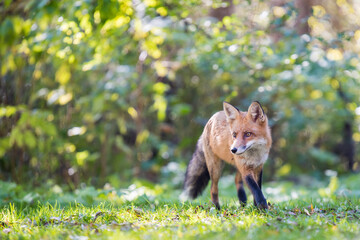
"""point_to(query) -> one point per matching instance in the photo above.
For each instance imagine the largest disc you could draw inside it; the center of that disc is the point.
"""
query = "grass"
(146, 211)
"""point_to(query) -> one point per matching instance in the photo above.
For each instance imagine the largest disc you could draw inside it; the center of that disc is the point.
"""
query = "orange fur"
(241, 139)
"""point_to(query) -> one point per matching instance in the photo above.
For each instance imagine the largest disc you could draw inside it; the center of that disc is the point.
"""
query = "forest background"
(106, 92)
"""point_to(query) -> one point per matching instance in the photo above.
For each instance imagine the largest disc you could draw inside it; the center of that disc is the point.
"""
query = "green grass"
(146, 211)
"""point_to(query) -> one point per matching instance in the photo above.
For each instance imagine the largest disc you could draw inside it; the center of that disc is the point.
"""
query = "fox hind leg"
(215, 166)
(215, 176)
(240, 189)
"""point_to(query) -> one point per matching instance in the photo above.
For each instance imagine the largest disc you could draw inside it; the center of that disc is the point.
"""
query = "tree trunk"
(348, 146)
(301, 23)
(222, 12)
(104, 156)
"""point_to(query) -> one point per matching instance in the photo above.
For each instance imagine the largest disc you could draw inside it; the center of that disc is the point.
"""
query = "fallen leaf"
(138, 211)
(55, 220)
(292, 222)
(291, 213)
(97, 215)
(3, 224)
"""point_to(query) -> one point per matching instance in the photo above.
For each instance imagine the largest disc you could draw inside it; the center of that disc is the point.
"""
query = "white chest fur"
(256, 155)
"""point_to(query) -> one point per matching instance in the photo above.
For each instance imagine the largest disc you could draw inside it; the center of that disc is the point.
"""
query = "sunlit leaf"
(64, 99)
(334, 54)
(81, 157)
(142, 136)
(63, 74)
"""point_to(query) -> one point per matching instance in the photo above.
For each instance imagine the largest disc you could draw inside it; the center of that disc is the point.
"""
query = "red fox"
(242, 139)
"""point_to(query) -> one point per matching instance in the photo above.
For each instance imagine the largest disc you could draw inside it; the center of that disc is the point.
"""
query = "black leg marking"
(242, 195)
(259, 182)
(260, 178)
(215, 199)
(259, 198)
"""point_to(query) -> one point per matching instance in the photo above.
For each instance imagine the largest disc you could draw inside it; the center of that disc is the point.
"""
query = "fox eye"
(248, 134)
(234, 134)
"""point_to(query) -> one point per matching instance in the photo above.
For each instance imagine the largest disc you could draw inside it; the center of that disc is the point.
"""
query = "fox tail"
(197, 174)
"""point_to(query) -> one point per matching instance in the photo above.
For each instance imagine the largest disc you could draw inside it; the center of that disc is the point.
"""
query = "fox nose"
(233, 150)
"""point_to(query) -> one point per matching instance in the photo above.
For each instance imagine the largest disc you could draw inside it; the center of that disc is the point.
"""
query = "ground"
(318, 210)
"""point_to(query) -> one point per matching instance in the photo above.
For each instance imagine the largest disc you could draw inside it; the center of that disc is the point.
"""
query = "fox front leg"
(259, 182)
(240, 189)
(259, 198)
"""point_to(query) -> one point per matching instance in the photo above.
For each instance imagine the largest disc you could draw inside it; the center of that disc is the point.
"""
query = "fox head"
(249, 130)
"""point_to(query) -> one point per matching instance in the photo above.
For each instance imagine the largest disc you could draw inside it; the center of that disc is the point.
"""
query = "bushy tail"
(197, 175)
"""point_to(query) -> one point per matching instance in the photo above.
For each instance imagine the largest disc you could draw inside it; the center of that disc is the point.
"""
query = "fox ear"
(230, 111)
(256, 112)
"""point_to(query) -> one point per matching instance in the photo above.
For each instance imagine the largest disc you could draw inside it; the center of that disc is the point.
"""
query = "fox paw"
(262, 205)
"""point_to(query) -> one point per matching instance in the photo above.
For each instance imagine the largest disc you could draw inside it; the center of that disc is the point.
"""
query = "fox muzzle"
(238, 150)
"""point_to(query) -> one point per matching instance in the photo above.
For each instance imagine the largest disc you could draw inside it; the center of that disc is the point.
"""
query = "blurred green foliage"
(110, 90)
